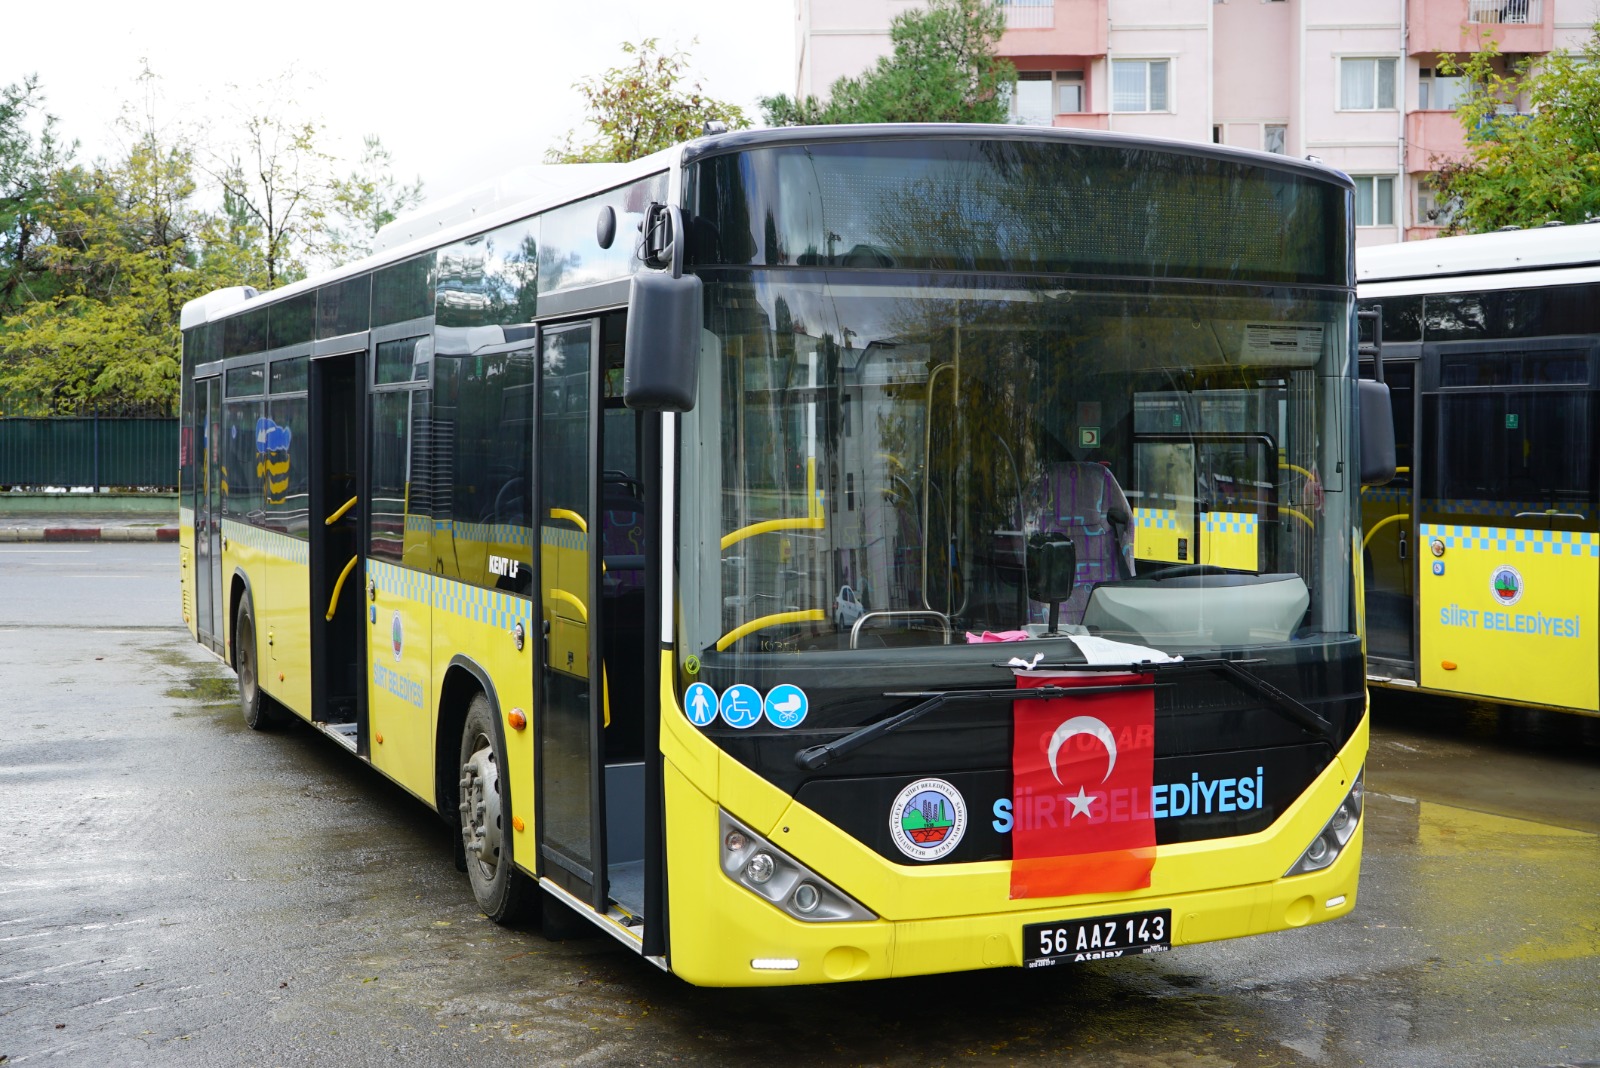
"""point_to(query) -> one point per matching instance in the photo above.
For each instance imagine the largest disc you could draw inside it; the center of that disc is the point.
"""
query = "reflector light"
(774, 964)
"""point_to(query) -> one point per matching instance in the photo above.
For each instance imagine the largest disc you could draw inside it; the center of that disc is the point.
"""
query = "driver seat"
(1083, 501)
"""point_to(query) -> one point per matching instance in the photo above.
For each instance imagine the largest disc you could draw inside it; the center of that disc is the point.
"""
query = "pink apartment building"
(1351, 82)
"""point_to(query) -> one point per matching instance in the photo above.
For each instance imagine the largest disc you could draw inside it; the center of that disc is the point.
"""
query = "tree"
(366, 200)
(642, 107)
(942, 68)
(1529, 164)
(32, 176)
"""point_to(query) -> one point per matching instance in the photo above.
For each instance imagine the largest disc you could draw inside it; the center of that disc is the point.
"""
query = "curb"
(76, 534)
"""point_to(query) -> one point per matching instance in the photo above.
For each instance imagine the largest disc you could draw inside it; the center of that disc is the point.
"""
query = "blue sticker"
(1438, 567)
(741, 706)
(787, 706)
(700, 704)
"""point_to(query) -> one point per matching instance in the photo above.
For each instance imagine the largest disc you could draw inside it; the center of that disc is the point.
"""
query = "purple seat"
(1084, 501)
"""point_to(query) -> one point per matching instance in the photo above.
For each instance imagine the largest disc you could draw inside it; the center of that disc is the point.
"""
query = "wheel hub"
(480, 806)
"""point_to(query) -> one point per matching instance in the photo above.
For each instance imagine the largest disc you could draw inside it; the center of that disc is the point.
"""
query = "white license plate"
(1101, 938)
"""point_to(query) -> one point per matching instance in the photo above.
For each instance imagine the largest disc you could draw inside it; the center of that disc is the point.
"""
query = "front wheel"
(501, 890)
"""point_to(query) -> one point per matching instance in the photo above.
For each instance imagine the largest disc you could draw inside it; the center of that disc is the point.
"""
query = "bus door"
(1389, 540)
(594, 700)
(338, 602)
(208, 513)
(1510, 580)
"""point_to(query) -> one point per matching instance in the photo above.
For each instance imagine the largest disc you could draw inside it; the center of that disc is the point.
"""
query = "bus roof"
(1503, 252)
(531, 190)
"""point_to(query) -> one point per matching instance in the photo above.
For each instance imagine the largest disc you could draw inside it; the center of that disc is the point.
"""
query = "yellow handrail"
(1300, 517)
(808, 615)
(814, 519)
(1397, 471)
(333, 602)
(767, 526)
(1396, 518)
(570, 516)
(345, 507)
(555, 593)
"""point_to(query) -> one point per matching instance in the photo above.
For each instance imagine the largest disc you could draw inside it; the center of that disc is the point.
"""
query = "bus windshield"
(883, 461)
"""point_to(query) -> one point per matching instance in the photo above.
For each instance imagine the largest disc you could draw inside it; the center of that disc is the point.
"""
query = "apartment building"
(1354, 83)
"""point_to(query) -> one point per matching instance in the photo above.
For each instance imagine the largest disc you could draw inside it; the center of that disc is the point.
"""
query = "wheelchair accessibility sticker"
(741, 706)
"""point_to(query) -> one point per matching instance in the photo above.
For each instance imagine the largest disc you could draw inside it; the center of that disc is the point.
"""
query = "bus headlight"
(1331, 840)
(771, 874)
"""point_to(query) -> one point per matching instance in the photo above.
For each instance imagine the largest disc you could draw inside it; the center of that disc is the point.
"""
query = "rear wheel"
(259, 711)
(501, 890)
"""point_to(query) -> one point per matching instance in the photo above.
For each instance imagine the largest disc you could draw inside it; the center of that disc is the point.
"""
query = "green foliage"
(97, 262)
(30, 181)
(642, 107)
(943, 68)
(366, 200)
(1533, 140)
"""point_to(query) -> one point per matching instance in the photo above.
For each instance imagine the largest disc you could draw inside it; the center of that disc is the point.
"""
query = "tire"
(259, 709)
(502, 892)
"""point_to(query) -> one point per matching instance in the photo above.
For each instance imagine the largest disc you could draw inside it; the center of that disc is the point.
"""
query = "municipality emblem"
(1506, 584)
(928, 819)
(397, 634)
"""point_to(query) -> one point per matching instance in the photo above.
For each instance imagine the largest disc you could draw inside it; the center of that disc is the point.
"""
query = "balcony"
(1457, 26)
(1042, 29)
(1030, 14)
(1432, 135)
(1505, 12)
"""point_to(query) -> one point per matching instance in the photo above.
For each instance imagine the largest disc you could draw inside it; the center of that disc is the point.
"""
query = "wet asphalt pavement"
(177, 890)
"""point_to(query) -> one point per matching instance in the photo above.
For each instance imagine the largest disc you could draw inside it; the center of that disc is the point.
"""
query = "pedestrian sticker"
(787, 706)
(740, 706)
(700, 704)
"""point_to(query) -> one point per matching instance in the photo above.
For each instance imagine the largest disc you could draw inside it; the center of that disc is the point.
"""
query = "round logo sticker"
(786, 706)
(398, 633)
(740, 706)
(928, 819)
(1506, 582)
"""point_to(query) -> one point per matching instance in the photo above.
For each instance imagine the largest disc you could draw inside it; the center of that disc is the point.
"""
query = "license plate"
(1101, 938)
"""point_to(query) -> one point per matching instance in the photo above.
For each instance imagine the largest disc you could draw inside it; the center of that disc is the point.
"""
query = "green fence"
(89, 452)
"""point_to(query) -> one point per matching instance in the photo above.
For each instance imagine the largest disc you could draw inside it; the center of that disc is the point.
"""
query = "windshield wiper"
(1291, 708)
(818, 755)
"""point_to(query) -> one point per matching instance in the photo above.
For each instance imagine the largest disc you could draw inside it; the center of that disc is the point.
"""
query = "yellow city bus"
(1483, 556)
(822, 554)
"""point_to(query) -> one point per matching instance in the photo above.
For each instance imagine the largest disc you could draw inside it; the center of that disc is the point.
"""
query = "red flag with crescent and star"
(1081, 772)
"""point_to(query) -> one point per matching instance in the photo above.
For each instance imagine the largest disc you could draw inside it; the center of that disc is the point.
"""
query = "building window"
(1435, 92)
(1069, 92)
(1030, 104)
(1366, 84)
(1374, 200)
(1139, 84)
(1040, 96)
(1275, 138)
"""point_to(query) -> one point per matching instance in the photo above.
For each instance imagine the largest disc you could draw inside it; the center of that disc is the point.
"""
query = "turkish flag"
(1081, 771)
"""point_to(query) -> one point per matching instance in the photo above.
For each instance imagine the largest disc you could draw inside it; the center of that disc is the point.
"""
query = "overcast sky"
(458, 92)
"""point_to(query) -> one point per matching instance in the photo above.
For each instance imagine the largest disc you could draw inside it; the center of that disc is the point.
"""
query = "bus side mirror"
(1377, 433)
(661, 354)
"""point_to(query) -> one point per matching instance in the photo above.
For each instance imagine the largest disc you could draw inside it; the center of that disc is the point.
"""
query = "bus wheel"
(501, 890)
(256, 706)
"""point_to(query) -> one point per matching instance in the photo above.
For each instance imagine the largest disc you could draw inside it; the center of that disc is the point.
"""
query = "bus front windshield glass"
(879, 465)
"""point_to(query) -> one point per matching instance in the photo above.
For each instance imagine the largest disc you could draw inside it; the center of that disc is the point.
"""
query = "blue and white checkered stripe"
(270, 542)
(1505, 540)
(473, 603)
